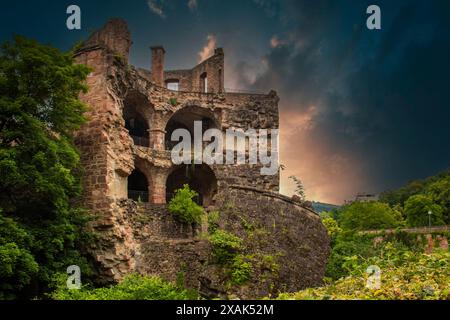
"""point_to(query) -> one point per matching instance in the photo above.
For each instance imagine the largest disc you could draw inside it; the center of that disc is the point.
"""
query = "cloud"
(193, 4)
(275, 42)
(360, 111)
(208, 50)
(156, 6)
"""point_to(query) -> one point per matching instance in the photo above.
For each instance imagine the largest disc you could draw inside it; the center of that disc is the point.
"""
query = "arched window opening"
(137, 126)
(138, 186)
(184, 119)
(200, 178)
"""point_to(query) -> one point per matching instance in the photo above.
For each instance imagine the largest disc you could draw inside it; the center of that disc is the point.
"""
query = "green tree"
(437, 186)
(39, 165)
(17, 264)
(368, 215)
(417, 208)
(439, 191)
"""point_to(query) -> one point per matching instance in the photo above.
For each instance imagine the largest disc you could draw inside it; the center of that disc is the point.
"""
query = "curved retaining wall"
(288, 244)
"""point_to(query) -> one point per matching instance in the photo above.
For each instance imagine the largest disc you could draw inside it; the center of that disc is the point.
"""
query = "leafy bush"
(241, 270)
(405, 275)
(332, 227)
(225, 245)
(345, 246)
(368, 215)
(173, 101)
(416, 209)
(184, 208)
(213, 219)
(132, 287)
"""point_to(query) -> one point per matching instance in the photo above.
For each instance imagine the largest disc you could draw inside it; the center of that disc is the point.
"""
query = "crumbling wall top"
(115, 36)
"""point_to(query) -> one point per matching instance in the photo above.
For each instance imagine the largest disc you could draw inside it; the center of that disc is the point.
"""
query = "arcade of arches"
(159, 187)
(147, 183)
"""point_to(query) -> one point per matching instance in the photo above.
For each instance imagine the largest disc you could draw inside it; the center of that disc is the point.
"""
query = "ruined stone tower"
(129, 175)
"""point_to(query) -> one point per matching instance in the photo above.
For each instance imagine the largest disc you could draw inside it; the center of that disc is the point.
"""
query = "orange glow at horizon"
(327, 177)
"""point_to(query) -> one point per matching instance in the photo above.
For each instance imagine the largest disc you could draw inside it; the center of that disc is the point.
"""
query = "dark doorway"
(138, 186)
(200, 178)
(136, 126)
(184, 119)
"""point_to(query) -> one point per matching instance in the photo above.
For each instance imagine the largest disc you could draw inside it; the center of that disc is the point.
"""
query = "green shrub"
(347, 246)
(184, 208)
(133, 287)
(213, 219)
(241, 270)
(173, 101)
(332, 227)
(225, 246)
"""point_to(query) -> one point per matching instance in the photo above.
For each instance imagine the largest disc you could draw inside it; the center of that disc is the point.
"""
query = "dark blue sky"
(361, 110)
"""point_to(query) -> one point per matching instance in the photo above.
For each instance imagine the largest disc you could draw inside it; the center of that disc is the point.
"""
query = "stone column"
(158, 194)
(158, 65)
(157, 139)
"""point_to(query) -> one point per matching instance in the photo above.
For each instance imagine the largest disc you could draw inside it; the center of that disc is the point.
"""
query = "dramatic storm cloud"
(361, 110)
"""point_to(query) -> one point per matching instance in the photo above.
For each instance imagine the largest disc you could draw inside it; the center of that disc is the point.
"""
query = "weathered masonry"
(129, 176)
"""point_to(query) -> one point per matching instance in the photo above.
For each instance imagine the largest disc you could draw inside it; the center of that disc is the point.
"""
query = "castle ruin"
(129, 175)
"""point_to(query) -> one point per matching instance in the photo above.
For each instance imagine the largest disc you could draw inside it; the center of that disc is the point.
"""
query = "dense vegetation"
(419, 196)
(404, 275)
(40, 229)
(132, 287)
(405, 271)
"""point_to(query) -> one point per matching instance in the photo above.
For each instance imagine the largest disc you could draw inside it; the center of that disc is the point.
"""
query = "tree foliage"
(436, 188)
(39, 165)
(368, 215)
(417, 208)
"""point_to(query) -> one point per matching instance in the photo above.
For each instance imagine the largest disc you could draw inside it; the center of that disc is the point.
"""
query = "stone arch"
(139, 182)
(138, 187)
(137, 113)
(184, 118)
(200, 178)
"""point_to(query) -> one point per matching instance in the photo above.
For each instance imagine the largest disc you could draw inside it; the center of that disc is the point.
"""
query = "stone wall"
(273, 226)
(144, 237)
(189, 80)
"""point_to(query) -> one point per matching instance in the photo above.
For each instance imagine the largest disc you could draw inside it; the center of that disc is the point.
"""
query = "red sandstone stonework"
(131, 113)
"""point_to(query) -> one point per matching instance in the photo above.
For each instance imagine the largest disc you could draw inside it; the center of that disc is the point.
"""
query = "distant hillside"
(437, 185)
(320, 206)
